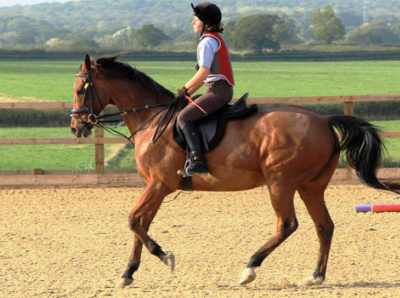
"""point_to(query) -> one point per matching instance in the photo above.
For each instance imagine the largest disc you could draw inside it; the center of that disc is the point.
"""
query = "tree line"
(252, 33)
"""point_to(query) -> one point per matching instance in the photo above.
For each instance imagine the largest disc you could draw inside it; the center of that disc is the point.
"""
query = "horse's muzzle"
(80, 129)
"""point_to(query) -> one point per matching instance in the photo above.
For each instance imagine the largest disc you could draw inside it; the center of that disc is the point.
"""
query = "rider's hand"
(183, 92)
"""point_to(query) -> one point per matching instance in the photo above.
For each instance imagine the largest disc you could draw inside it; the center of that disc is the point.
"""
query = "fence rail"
(101, 177)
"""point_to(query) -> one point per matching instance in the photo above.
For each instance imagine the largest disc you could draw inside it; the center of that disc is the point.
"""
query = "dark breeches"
(218, 94)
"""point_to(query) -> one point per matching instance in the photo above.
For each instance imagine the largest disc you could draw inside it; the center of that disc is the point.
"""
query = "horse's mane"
(109, 67)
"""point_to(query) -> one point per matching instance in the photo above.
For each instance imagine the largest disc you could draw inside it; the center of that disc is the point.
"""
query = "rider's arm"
(197, 81)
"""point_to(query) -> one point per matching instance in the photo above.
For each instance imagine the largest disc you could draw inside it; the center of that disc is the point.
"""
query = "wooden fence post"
(99, 151)
(349, 108)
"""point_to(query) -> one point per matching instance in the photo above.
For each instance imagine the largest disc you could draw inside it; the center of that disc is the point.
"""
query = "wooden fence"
(100, 177)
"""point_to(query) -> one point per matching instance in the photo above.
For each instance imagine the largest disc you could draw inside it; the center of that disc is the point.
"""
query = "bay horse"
(288, 149)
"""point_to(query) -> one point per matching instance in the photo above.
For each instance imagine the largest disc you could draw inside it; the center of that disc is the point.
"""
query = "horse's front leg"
(133, 264)
(140, 219)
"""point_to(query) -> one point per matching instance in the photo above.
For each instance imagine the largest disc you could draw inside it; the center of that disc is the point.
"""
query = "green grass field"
(54, 80)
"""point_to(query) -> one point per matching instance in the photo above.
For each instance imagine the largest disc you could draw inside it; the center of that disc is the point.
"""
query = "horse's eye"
(81, 91)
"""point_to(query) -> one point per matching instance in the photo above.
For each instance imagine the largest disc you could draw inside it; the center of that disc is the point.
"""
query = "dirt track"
(76, 242)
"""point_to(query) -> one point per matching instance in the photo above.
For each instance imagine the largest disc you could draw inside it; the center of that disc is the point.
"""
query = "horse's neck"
(131, 100)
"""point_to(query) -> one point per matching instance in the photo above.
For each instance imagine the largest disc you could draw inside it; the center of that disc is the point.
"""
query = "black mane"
(109, 67)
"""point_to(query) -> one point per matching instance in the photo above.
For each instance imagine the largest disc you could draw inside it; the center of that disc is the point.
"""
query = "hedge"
(61, 117)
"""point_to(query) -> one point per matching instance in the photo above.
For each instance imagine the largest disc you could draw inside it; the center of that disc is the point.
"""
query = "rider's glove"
(183, 92)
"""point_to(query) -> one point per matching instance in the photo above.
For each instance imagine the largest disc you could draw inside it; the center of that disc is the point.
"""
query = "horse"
(287, 148)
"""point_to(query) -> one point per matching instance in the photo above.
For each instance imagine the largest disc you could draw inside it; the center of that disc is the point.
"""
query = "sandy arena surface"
(76, 243)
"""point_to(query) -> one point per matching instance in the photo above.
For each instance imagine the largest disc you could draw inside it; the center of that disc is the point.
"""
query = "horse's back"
(298, 122)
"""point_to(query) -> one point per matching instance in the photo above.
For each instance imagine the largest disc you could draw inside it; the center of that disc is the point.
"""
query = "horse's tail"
(364, 148)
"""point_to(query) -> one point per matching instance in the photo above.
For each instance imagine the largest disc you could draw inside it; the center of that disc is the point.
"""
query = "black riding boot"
(197, 162)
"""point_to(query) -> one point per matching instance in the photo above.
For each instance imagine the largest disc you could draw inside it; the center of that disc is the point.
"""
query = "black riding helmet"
(208, 13)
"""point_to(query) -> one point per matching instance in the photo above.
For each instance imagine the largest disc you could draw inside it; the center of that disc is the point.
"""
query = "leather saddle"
(212, 127)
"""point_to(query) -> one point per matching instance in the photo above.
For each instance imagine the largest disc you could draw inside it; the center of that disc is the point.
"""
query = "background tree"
(396, 29)
(33, 26)
(87, 45)
(149, 37)
(57, 44)
(358, 37)
(228, 32)
(255, 33)
(376, 32)
(350, 18)
(122, 39)
(327, 26)
(285, 31)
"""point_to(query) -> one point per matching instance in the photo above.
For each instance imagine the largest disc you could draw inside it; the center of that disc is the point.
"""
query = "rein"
(98, 120)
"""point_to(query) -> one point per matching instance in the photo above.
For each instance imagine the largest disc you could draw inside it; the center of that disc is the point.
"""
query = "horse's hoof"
(123, 282)
(248, 276)
(311, 281)
(169, 260)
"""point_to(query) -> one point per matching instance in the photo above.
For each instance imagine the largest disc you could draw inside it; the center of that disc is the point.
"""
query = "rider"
(214, 68)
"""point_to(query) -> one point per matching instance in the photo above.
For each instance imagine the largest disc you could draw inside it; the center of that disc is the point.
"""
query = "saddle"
(212, 127)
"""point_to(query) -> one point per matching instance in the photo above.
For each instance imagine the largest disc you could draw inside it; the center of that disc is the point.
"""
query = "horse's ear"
(86, 64)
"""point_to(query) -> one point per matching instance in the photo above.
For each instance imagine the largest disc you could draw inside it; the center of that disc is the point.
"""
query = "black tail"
(364, 149)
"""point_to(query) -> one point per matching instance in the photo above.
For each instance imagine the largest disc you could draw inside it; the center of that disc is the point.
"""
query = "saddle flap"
(208, 128)
(212, 128)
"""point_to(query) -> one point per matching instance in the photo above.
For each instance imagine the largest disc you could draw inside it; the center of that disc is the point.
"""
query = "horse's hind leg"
(312, 194)
(282, 202)
(140, 219)
(313, 197)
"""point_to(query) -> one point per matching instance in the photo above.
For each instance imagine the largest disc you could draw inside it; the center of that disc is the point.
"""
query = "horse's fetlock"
(155, 249)
(318, 276)
(255, 261)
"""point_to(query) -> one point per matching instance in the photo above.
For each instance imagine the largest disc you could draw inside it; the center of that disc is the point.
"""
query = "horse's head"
(89, 100)
(108, 81)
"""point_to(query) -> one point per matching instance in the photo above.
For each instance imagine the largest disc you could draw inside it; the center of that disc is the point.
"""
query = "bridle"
(98, 120)
(89, 89)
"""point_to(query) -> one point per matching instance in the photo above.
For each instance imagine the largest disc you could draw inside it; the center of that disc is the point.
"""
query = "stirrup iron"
(184, 172)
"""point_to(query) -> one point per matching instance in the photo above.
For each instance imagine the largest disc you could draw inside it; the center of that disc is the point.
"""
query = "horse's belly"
(228, 180)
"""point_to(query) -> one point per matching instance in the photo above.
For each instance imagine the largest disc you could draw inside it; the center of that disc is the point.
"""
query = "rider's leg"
(198, 163)
(218, 95)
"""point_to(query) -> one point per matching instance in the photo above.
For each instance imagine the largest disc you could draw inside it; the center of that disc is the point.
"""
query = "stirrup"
(187, 171)
(184, 172)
